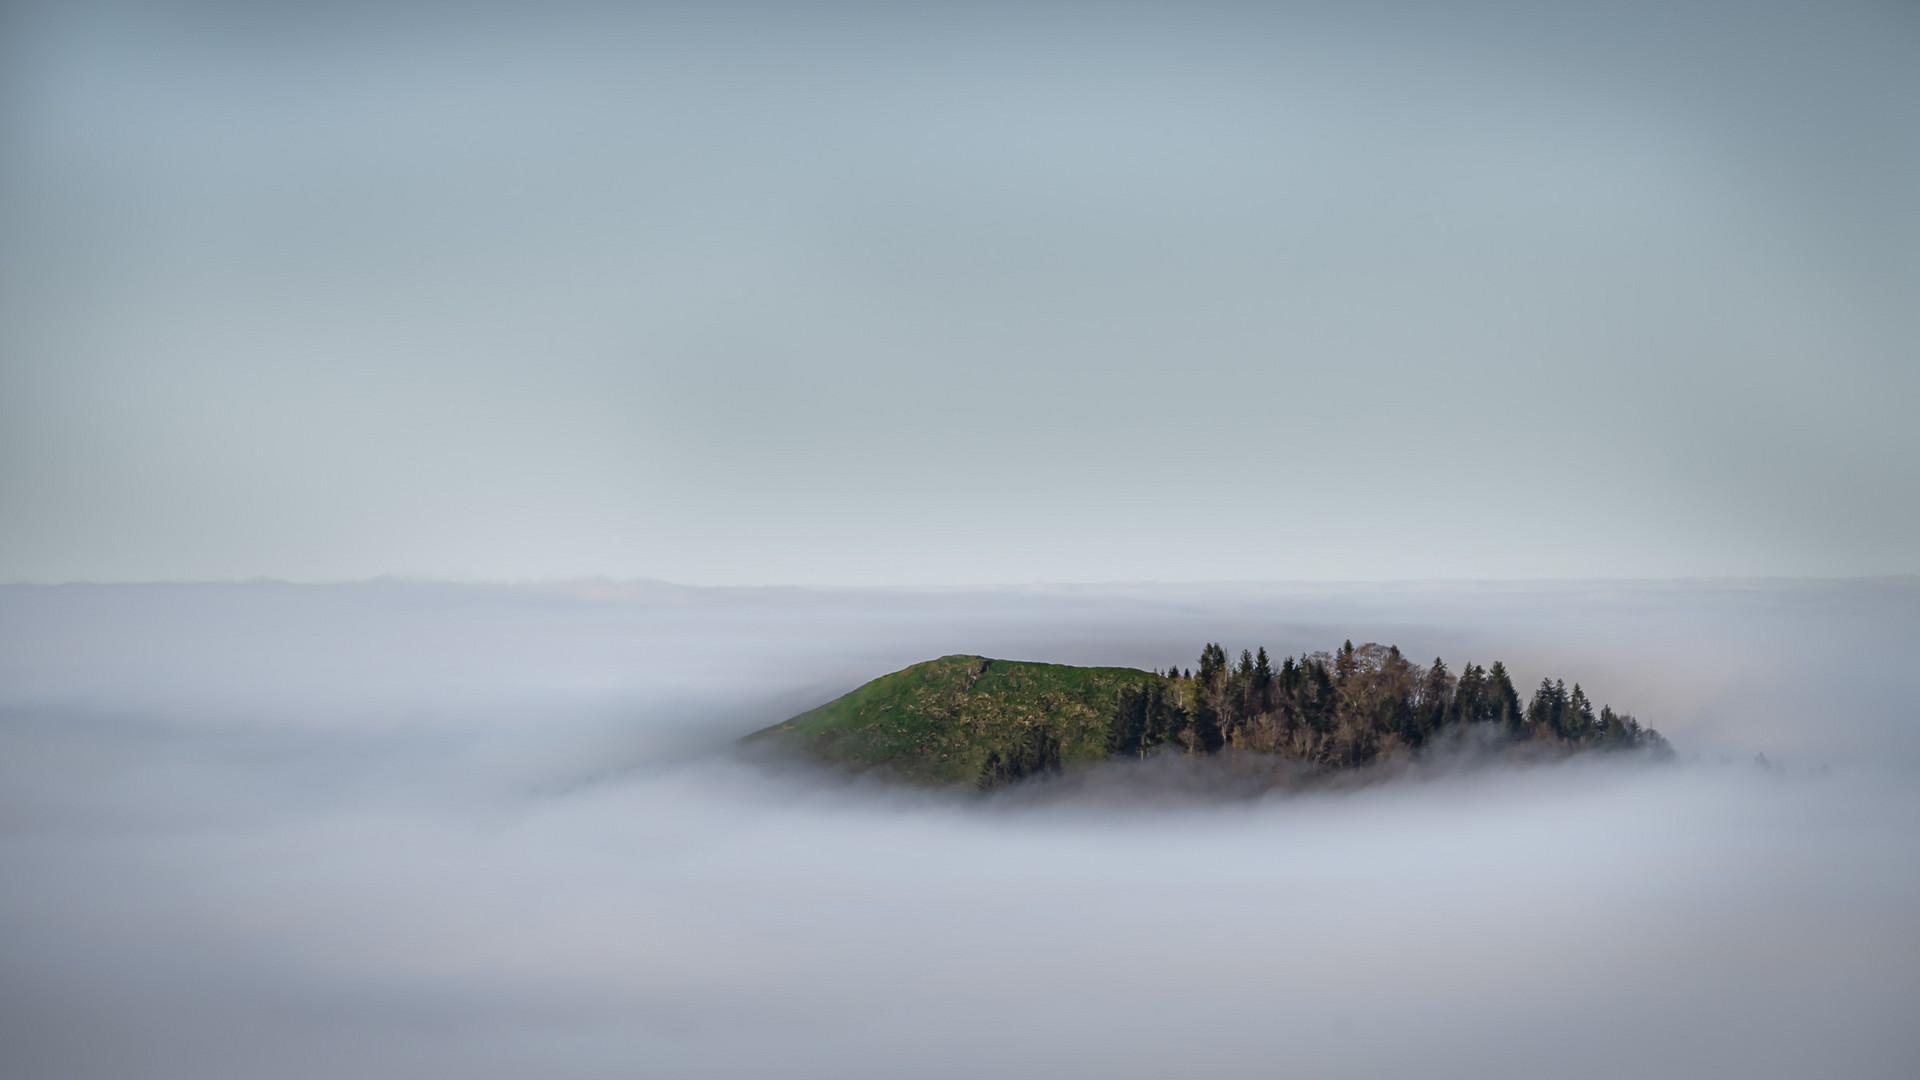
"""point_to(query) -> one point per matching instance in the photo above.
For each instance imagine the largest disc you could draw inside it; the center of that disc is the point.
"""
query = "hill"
(970, 719)
(951, 720)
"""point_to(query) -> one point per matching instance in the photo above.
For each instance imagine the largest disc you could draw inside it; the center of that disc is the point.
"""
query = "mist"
(432, 339)
(399, 829)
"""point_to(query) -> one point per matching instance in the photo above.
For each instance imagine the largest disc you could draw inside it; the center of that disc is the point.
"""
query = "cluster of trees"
(1350, 707)
(1034, 751)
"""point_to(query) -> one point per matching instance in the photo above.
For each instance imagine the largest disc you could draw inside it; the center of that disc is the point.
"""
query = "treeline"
(1352, 706)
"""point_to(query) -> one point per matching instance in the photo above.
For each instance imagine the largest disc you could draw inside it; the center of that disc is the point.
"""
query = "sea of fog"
(405, 830)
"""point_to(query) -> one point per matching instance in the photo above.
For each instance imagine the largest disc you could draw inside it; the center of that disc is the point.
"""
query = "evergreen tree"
(1213, 661)
(1164, 717)
(1547, 712)
(1471, 705)
(1436, 698)
(1540, 711)
(1127, 731)
(1204, 731)
(1577, 723)
(1260, 685)
(1503, 702)
(1034, 750)
(1322, 699)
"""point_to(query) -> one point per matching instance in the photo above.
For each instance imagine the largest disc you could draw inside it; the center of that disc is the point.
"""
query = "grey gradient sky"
(949, 293)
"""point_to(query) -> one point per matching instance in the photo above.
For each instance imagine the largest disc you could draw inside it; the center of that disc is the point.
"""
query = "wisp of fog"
(403, 830)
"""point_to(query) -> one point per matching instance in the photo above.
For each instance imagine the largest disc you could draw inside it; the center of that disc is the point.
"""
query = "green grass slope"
(936, 722)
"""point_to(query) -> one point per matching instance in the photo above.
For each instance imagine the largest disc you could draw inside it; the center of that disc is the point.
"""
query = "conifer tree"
(1213, 661)
(1343, 664)
(1126, 732)
(1260, 686)
(1470, 702)
(1503, 700)
(1577, 723)
(1436, 697)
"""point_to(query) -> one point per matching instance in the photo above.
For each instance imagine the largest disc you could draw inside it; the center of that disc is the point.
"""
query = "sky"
(848, 294)
(534, 351)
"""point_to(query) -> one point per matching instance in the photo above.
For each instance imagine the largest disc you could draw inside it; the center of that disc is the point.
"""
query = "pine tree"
(1206, 726)
(1127, 731)
(1436, 697)
(1578, 722)
(1213, 661)
(1542, 716)
(1260, 686)
(1470, 703)
(1343, 664)
(1503, 701)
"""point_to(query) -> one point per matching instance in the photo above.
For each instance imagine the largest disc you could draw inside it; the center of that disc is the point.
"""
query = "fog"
(897, 302)
(401, 830)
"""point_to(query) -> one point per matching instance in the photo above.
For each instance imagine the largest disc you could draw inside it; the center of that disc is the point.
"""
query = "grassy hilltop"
(949, 720)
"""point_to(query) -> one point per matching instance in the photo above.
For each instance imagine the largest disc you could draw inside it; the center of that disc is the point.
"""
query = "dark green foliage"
(1503, 701)
(1213, 662)
(1203, 733)
(1034, 751)
(1143, 718)
(1436, 697)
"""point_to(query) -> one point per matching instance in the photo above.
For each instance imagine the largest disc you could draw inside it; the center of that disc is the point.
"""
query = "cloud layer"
(398, 830)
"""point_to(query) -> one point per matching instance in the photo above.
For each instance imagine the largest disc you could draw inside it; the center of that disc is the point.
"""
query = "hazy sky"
(958, 292)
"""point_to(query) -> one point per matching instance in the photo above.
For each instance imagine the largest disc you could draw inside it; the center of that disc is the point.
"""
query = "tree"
(1034, 750)
(1547, 712)
(1436, 698)
(1471, 703)
(1577, 723)
(1127, 730)
(1503, 702)
(1213, 661)
(1330, 709)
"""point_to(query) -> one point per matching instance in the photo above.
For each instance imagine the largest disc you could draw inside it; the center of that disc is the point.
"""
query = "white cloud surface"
(396, 830)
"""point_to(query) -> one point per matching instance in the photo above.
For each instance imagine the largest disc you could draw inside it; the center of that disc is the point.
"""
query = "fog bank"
(399, 830)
